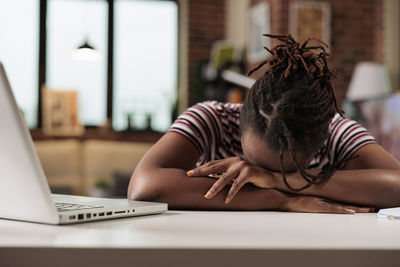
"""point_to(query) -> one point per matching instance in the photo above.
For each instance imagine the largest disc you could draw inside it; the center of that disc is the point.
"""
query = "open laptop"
(24, 191)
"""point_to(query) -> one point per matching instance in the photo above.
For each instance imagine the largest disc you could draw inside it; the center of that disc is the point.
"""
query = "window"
(145, 63)
(19, 52)
(69, 25)
(139, 38)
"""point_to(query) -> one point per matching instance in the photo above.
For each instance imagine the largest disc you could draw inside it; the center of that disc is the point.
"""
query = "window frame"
(110, 57)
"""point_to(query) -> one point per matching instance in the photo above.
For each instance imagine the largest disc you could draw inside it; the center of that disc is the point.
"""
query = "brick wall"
(206, 25)
(356, 34)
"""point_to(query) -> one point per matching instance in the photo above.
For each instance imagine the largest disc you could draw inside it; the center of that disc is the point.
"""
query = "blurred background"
(99, 81)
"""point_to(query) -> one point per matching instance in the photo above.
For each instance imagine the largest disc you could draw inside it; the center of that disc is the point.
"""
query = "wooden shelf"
(96, 134)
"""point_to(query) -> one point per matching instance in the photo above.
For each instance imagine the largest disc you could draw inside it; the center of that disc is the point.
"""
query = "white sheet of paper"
(392, 213)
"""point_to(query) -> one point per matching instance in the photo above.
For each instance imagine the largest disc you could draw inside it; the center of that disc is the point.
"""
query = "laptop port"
(80, 216)
(133, 210)
(88, 215)
(72, 217)
(101, 214)
(118, 212)
(109, 213)
(94, 214)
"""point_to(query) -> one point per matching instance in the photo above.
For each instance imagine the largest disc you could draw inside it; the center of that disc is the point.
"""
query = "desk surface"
(220, 230)
(195, 238)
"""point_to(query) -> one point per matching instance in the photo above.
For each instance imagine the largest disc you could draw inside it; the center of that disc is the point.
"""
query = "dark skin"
(371, 180)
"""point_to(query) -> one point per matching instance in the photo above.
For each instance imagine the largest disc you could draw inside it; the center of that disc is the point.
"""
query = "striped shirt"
(214, 129)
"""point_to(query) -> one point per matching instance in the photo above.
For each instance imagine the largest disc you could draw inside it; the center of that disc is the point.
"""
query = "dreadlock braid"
(293, 103)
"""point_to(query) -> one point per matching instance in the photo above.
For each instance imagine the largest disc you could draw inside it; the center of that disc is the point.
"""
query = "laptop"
(24, 191)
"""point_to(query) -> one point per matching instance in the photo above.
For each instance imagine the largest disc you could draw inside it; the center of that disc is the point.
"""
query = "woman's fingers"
(339, 208)
(236, 186)
(321, 205)
(333, 207)
(359, 209)
(211, 167)
(220, 184)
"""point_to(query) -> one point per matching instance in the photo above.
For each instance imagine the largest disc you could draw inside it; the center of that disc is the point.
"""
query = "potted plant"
(101, 188)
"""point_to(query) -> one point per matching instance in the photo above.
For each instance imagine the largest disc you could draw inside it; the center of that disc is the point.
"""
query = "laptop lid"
(24, 192)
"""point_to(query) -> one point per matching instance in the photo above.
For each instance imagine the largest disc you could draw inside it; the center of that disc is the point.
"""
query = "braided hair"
(291, 106)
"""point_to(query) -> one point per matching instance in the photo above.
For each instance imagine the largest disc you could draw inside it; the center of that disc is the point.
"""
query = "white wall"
(236, 20)
(392, 41)
(183, 82)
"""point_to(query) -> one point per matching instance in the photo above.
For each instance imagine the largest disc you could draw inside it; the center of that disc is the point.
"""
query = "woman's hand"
(297, 203)
(237, 170)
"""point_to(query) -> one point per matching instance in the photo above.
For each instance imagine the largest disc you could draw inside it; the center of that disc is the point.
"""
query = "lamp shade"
(86, 52)
(369, 81)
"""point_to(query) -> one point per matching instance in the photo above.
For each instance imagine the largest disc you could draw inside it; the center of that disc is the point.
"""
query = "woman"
(286, 148)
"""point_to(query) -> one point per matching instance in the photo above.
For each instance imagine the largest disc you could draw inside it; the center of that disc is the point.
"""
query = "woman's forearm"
(180, 191)
(367, 187)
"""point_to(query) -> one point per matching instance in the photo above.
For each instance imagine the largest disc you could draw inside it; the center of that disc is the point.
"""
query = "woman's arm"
(161, 176)
(372, 179)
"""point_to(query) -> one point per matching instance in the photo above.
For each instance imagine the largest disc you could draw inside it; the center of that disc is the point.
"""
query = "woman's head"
(291, 106)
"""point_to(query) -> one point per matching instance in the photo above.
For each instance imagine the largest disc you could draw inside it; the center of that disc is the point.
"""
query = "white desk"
(194, 238)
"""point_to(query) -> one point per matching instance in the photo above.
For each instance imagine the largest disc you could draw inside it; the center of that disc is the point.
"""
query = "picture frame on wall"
(259, 23)
(60, 112)
(310, 19)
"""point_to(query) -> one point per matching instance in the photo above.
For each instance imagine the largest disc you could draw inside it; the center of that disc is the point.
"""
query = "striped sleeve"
(348, 136)
(200, 124)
